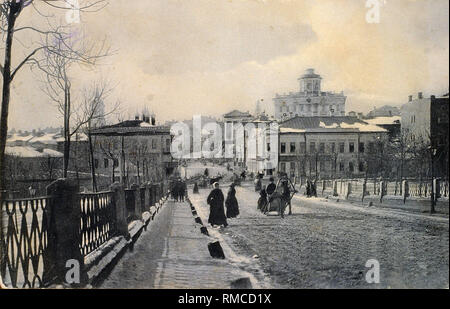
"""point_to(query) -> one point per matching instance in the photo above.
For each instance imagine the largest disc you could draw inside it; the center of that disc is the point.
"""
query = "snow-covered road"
(325, 244)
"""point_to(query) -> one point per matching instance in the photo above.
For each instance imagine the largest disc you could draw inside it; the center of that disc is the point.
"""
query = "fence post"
(405, 190)
(121, 209)
(349, 190)
(147, 198)
(335, 186)
(381, 191)
(437, 188)
(64, 239)
(137, 202)
(364, 188)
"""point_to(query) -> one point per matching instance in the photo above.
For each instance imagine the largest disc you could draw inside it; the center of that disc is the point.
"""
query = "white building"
(310, 100)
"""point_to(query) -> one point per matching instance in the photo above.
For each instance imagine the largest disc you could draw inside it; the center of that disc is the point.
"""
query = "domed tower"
(310, 83)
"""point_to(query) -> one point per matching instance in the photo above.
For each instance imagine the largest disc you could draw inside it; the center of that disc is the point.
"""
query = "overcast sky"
(211, 56)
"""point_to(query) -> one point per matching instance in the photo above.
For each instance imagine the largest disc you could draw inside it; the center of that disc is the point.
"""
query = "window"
(292, 168)
(268, 146)
(106, 163)
(361, 166)
(301, 108)
(322, 147)
(96, 163)
(371, 147)
(283, 147)
(333, 147)
(341, 166)
(361, 148)
(292, 147)
(351, 168)
(351, 147)
(116, 163)
(312, 147)
(341, 147)
(168, 143)
(302, 147)
(283, 167)
(322, 166)
(153, 143)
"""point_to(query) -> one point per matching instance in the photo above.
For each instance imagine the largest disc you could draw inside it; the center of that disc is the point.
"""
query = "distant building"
(133, 151)
(310, 100)
(427, 118)
(27, 166)
(384, 111)
(327, 147)
(392, 124)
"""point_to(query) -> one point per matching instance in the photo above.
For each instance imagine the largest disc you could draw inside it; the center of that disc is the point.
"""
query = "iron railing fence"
(97, 224)
(27, 230)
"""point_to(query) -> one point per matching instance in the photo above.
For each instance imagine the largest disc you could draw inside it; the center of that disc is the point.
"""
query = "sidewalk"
(173, 253)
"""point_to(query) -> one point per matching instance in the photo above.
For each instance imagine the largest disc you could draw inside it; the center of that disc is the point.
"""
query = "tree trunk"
(91, 156)
(6, 94)
(66, 129)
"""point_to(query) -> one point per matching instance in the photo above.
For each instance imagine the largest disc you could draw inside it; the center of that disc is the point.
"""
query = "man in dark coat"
(231, 203)
(216, 210)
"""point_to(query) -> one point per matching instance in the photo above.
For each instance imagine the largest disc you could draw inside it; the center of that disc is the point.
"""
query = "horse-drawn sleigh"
(276, 203)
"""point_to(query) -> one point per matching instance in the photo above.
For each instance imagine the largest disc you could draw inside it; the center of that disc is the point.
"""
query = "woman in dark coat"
(231, 203)
(216, 210)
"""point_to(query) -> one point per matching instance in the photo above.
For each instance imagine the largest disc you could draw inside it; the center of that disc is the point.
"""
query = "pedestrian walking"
(231, 203)
(215, 201)
(308, 188)
(195, 190)
(286, 193)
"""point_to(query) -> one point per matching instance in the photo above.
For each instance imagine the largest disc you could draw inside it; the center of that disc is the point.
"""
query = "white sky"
(209, 57)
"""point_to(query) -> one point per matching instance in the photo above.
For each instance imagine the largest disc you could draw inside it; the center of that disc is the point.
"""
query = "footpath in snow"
(173, 253)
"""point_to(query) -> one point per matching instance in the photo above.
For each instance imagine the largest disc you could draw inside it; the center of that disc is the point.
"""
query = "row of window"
(309, 107)
(341, 166)
(332, 147)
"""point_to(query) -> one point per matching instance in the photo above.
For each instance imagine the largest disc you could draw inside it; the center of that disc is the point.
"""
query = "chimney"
(410, 98)
(420, 96)
(153, 120)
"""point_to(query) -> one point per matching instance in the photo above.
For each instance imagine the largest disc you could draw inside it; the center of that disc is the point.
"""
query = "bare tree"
(58, 86)
(137, 154)
(108, 146)
(92, 112)
(10, 11)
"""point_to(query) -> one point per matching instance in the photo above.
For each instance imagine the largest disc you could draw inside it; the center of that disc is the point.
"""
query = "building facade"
(329, 147)
(133, 151)
(427, 119)
(310, 100)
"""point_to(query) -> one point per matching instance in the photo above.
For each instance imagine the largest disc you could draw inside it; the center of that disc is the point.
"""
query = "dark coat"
(271, 188)
(262, 201)
(216, 210)
(232, 204)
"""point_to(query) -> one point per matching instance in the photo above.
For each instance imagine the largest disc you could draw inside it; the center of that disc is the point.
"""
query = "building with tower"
(310, 100)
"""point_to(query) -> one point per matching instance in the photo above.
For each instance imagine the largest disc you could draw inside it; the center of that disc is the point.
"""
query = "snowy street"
(325, 244)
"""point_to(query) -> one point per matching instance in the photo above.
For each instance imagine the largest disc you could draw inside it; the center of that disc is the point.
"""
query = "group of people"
(178, 190)
(216, 200)
(267, 194)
